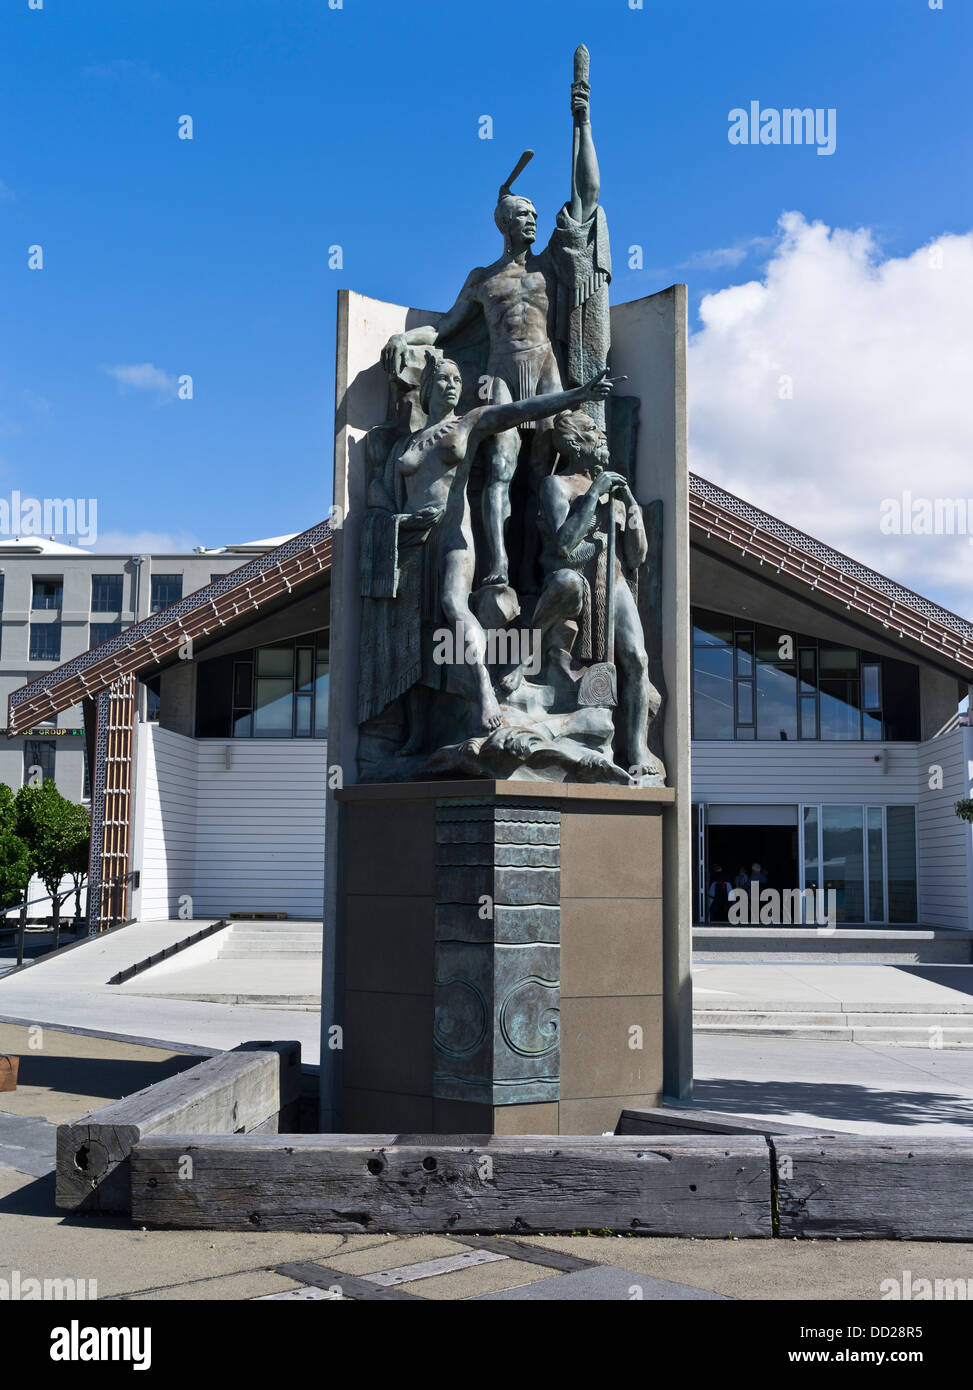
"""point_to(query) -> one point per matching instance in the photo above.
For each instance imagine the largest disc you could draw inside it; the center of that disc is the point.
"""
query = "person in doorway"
(758, 882)
(719, 895)
(742, 880)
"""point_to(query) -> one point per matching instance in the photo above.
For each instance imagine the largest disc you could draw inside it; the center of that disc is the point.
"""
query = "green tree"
(15, 863)
(79, 830)
(44, 821)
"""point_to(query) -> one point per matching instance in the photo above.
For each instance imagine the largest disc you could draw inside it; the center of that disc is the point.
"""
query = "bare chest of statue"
(516, 304)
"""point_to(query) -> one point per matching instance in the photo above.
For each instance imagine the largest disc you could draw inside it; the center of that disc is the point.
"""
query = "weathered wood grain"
(876, 1187)
(706, 1186)
(238, 1091)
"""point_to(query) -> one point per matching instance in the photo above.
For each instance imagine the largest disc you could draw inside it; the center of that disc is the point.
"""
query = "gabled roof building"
(828, 747)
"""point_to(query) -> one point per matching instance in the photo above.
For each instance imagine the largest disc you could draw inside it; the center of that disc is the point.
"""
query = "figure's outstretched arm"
(495, 419)
(426, 336)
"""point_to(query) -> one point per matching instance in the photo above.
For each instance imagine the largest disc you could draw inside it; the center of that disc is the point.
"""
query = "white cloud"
(722, 256)
(146, 542)
(143, 376)
(877, 352)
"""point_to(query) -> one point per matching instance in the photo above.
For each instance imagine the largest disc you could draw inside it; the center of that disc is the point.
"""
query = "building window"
(38, 754)
(48, 593)
(106, 593)
(152, 702)
(277, 691)
(713, 667)
(900, 852)
(753, 681)
(45, 642)
(100, 632)
(166, 589)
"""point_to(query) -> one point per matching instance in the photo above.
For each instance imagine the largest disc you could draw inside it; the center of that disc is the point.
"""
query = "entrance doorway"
(735, 839)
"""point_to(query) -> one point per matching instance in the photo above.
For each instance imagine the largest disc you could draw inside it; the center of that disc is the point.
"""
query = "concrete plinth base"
(503, 963)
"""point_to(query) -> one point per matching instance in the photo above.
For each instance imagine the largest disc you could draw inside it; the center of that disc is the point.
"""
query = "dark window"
(106, 593)
(712, 675)
(214, 697)
(755, 681)
(840, 713)
(900, 852)
(86, 779)
(776, 700)
(214, 577)
(1, 590)
(38, 753)
(48, 593)
(45, 642)
(321, 684)
(100, 632)
(153, 701)
(166, 589)
(277, 691)
(900, 700)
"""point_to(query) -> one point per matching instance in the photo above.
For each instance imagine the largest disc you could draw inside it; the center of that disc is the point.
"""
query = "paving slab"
(774, 1269)
(408, 1250)
(27, 1144)
(510, 1275)
(602, 1282)
(248, 1284)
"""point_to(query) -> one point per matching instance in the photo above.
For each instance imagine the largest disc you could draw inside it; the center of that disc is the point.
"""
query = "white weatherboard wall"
(260, 826)
(167, 810)
(944, 839)
(791, 772)
(236, 824)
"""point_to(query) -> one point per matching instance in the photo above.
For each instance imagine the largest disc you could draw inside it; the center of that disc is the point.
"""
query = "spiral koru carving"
(462, 1018)
(597, 686)
(530, 1017)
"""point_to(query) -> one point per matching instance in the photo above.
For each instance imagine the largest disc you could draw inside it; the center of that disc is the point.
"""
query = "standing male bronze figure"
(547, 320)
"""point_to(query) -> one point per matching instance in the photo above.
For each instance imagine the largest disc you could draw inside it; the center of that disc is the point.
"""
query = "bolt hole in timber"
(498, 504)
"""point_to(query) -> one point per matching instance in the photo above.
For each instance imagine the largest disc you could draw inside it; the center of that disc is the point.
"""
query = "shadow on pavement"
(111, 1077)
(958, 977)
(37, 1199)
(834, 1101)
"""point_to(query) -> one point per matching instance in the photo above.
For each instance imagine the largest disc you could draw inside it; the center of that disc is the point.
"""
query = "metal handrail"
(22, 924)
(31, 902)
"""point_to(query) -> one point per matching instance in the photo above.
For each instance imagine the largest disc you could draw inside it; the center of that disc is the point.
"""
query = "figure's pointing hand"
(600, 386)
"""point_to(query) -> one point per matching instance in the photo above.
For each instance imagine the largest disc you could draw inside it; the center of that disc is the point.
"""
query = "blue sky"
(359, 127)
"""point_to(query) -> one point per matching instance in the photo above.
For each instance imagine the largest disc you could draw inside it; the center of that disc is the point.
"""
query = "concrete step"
(279, 933)
(946, 1039)
(850, 945)
(255, 1001)
(850, 1018)
(268, 953)
(902, 1028)
(268, 939)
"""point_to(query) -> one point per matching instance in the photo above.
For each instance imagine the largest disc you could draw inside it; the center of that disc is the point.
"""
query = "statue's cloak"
(581, 260)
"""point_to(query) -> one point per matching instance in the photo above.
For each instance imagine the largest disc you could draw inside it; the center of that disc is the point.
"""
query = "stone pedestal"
(503, 956)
